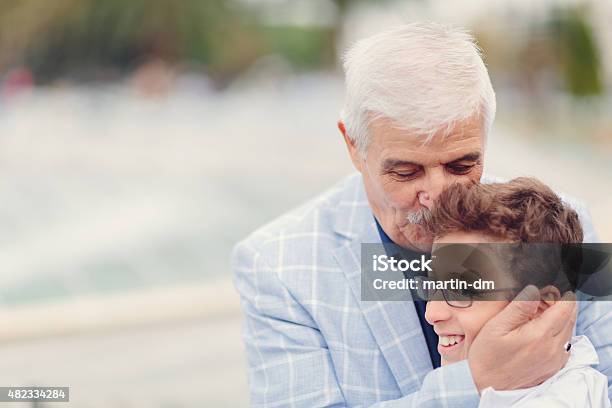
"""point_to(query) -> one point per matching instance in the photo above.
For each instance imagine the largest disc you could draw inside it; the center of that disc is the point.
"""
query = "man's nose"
(433, 185)
(437, 311)
(425, 199)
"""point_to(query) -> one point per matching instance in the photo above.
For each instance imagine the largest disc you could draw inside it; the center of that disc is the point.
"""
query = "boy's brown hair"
(523, 211)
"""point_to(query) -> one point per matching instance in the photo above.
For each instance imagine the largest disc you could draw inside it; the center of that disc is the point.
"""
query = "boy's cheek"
(466, 348)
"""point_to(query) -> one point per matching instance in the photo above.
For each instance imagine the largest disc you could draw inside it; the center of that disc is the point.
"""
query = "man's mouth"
(418, 217)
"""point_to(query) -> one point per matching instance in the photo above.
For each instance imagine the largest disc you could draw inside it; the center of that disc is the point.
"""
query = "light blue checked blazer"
(311, 342)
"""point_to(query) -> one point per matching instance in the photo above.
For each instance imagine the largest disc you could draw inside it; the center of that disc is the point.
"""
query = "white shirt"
(577, 385)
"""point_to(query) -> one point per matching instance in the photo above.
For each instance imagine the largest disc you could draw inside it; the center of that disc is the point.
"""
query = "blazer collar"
(394, 324)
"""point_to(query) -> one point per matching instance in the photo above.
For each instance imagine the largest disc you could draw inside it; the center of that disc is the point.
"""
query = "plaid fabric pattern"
(311, 342)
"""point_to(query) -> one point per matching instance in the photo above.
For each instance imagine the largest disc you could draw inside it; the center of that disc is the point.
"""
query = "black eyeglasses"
(459, 298)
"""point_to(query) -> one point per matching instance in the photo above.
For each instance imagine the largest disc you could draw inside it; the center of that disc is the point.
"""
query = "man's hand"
(515, 350)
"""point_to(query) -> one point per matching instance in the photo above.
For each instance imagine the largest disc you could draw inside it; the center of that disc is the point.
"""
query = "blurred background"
(140, 140)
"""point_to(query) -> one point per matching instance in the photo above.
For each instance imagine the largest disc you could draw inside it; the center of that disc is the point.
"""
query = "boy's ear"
(549, 295)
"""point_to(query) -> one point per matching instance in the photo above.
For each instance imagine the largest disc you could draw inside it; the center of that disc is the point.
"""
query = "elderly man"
(419, 107)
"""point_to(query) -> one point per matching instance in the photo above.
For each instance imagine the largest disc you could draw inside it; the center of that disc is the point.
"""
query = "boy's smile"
(457, 327)
(449, 343)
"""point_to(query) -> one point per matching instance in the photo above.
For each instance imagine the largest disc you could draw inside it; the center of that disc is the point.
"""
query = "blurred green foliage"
(578, 52)
(105, 39)
(302, 46)
(95, 39)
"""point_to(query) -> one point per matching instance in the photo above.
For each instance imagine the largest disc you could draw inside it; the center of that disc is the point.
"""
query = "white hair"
(424, 77)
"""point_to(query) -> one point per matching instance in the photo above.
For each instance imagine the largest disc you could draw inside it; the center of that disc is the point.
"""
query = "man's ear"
(354, 152)
(549, 295)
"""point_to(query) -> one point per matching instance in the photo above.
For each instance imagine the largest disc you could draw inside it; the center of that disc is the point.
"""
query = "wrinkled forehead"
(387, 136)
(436, 133)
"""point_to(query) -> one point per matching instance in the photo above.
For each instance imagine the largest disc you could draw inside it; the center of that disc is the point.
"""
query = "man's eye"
(404, 175)
(460, 168)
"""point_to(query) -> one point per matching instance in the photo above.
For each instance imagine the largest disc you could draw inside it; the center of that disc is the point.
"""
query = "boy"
(513, 234)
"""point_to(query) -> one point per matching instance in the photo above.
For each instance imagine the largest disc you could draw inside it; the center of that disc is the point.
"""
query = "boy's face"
(458, 327)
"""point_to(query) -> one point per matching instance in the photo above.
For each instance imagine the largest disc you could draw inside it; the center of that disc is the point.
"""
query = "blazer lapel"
(394, 324)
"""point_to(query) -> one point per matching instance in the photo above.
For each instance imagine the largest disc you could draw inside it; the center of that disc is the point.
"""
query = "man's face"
(403, 175)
